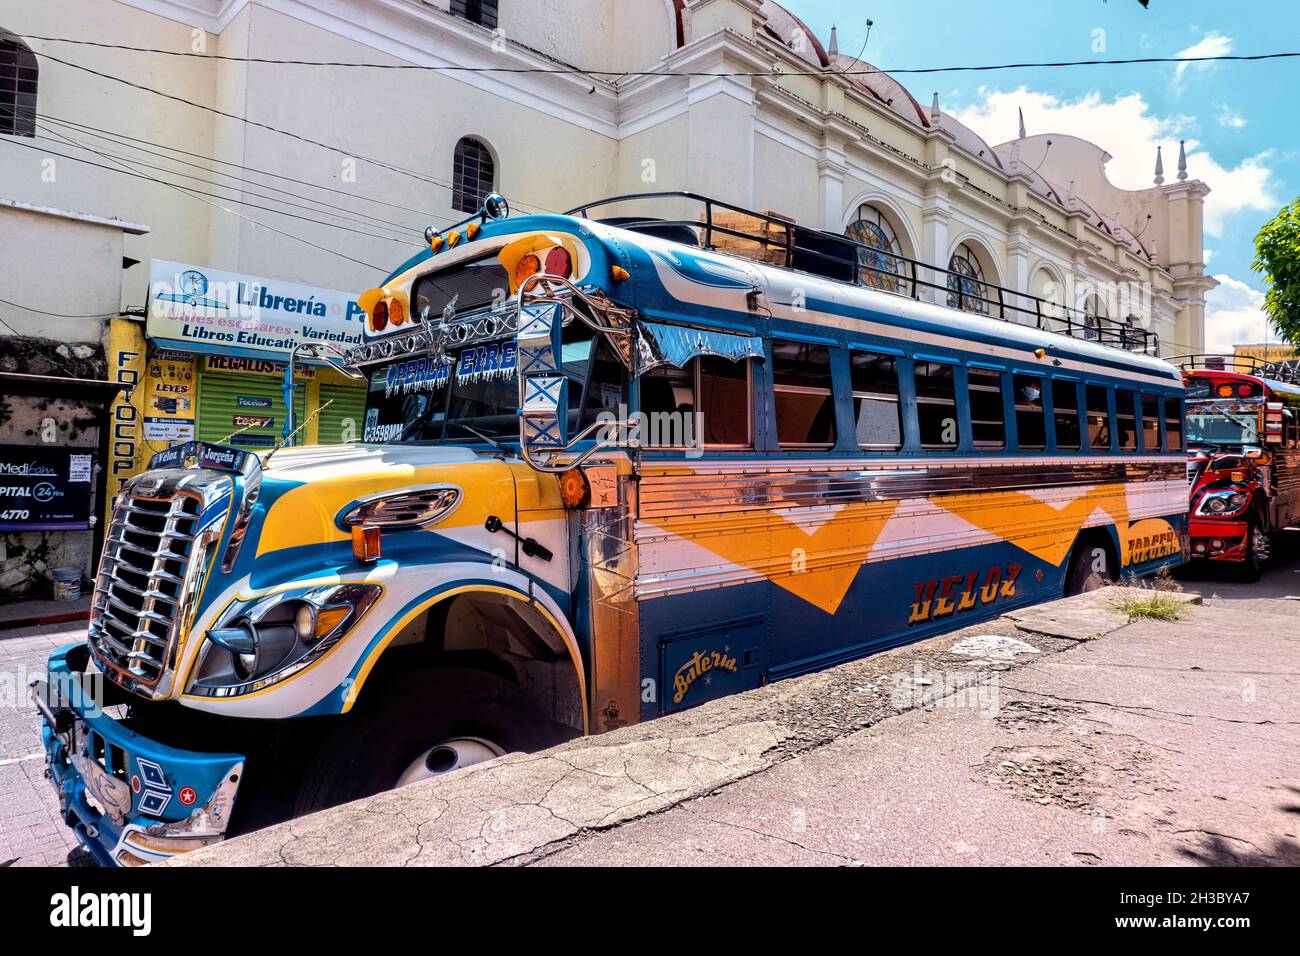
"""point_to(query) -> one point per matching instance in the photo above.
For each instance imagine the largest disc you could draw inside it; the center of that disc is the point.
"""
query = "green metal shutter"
(341, 420)
(219, 405)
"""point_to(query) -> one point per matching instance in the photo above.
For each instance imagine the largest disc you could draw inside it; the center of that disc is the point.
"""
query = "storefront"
(209, 362)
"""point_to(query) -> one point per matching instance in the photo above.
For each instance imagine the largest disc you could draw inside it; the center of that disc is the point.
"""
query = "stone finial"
(834, 48)
(1160, 168)
(1182, 159)
(1022, 122)
(934, 107)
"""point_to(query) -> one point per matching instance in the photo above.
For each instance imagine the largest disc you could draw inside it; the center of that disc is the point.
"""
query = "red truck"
(1243, 467)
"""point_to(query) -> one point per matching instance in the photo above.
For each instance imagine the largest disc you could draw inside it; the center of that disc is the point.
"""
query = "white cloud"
(1126, 128)
(1234, 316)
(1230, 118)
(1212, 44)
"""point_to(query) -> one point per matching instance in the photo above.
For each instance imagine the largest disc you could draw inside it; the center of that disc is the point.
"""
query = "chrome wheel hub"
(442, 758)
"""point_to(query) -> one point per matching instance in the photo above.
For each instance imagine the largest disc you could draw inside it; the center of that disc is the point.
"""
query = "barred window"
(18, 72)
(482, 12)
(472, 175)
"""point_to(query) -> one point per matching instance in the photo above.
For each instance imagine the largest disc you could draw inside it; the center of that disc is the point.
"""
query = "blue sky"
(1238, 118)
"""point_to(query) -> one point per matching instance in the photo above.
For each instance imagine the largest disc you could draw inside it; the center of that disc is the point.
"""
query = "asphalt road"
(31, 833)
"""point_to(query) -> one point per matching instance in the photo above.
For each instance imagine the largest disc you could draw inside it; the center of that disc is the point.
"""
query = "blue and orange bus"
(614, 464)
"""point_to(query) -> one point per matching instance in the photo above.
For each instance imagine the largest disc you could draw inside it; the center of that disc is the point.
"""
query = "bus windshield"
(1219, 426)
(474, 394)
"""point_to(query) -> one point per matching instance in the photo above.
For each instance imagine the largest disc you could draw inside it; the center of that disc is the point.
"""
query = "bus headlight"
(263, 640)
(1221, 503)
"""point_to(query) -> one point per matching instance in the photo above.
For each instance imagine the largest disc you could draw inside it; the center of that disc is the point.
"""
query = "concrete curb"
(511, 809)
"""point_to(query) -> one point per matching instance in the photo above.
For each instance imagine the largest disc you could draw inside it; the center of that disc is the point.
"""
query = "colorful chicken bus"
(608, 471)
(1243, 467)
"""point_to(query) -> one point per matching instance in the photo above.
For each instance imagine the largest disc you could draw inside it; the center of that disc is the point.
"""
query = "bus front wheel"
(421, 724)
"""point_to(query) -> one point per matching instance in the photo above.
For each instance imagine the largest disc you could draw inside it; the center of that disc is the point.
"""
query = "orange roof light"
(472, 230)
(1225, 391)
(526, 267)
(396, 312)
(436, 243)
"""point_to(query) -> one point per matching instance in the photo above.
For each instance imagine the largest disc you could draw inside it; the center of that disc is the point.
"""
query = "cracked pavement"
(1060, 735)
(1026, 739)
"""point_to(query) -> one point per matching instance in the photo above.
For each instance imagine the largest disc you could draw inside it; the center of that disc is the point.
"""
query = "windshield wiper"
(478, 434)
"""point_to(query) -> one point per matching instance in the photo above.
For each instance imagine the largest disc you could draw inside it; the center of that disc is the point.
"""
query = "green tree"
(1277, 256)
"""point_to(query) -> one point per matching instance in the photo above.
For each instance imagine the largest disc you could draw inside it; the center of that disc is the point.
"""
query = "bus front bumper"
(130, 800)
(1218, 540)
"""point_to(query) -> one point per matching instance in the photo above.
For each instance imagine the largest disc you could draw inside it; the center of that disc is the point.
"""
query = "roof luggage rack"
(779, 241)
(1286, 371)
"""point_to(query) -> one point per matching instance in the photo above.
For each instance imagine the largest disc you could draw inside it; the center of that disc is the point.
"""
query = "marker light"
(436, 243)
(396, 313)
(575, 490)
(559, 262)
(472, 230)
(379, 316)
(619, 274)
(366, 546)
(452, 239)
(526, 267)
(1243, 389)
(1225, 391)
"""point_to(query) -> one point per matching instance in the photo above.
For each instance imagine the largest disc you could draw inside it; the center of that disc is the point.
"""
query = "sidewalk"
(35, 613)
(1160, 743)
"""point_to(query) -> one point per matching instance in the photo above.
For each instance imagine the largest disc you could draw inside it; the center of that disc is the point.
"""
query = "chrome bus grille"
(148, 574)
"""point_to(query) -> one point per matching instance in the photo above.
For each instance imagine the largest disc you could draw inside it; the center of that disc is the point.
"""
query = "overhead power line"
(312, 205)
(350, 153)
(197, 194)
(62, 315)
(124, 140)
(579, 71)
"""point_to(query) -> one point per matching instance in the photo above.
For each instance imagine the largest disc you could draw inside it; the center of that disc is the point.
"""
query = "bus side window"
(805, 405)
(1125, 419)
(936, 404)
(725, 394)
(987, 419)
(1150, 422)
(875, 400)
(715, 388)
(1098, 418)
(1065, 409)
(667, 398)
(1173, 424)
(1031, 423)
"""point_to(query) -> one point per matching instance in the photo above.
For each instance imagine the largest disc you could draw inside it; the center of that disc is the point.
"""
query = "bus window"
(936, 404)
(1098, 418)
(875, 400)
(1150, 422)
(1065, 409)
(1173, 424)
(1125, 422)
(667, 401)
(724, 392)
(707, 402)
(987, 420)
(1031, 424)
(805, 406)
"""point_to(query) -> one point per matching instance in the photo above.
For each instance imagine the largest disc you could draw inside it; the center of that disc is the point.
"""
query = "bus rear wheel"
(1089, 568)
(418, 725)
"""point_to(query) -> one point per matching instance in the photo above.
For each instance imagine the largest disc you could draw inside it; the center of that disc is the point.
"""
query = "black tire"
(412, 711)
(1082, 576)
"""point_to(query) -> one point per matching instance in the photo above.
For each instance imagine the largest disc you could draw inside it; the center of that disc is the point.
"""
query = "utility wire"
(63, 315)
(234, 212)
(82, 127)
(202, 192)
(357, 218)
(577, 71)
(423, 177)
